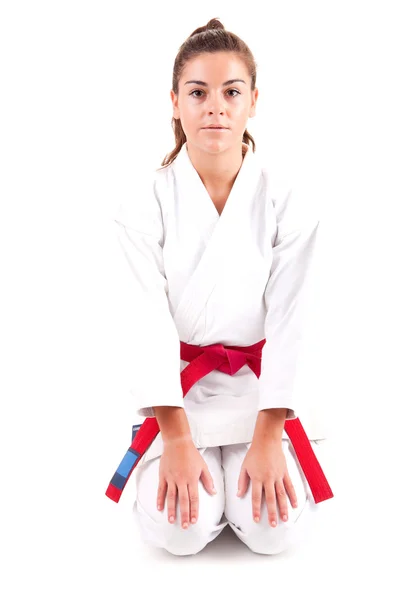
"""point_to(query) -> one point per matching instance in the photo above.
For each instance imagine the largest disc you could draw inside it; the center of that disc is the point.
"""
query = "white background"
(85, 108)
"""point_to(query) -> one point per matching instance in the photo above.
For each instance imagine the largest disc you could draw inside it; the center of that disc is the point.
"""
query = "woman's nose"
(215, 104)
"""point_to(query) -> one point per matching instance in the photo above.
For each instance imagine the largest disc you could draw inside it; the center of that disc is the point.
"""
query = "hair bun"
(212, 24)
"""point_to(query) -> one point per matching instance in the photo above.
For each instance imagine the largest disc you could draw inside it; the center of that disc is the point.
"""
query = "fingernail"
(273, 523)
(256, 519)
(284, 517)
(214, 491)
(159, 506)
(185, 525)
(193, 519)
(238, 493)
(171, 519)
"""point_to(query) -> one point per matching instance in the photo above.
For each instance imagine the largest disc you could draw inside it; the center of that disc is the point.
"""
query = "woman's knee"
(183, 542)
(269, 540)
(158, 531)
(264, 539)
(171, 536)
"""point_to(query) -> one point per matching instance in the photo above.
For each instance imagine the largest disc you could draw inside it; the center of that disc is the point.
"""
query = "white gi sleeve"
(285, 300)
(156, 370)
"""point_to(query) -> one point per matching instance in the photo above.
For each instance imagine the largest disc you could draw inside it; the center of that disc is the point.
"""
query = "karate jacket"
(205, 278)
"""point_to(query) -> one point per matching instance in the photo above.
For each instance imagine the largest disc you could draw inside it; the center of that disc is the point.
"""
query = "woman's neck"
(217, 171)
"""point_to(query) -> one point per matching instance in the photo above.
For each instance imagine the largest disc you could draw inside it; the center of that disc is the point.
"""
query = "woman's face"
(208, 99)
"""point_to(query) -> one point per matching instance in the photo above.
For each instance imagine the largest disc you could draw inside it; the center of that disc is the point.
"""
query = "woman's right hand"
(181, 467)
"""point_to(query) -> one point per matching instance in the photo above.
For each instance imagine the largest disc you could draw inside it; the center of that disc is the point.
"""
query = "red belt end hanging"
(113, 493)
(312, 470)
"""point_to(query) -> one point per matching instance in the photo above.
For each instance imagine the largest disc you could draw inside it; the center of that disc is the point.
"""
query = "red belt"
(228, 359)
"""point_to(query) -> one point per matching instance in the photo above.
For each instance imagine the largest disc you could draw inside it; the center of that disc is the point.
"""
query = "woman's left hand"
(265, 464)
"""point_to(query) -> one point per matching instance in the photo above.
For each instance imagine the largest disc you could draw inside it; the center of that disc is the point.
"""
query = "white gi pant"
(223, 508)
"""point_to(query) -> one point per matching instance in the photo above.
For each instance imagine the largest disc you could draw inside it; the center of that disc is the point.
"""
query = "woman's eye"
(201, 92)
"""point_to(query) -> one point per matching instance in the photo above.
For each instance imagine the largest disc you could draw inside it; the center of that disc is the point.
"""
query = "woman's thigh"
(154, 527)
(261, 537)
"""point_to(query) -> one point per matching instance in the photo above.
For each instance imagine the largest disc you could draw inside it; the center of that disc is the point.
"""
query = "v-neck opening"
(217, 242)
(218, 216)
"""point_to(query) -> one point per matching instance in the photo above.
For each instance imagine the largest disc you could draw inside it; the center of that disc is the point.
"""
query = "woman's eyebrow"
(197, 82)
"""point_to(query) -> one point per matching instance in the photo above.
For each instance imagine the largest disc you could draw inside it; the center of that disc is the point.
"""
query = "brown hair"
(211, 38)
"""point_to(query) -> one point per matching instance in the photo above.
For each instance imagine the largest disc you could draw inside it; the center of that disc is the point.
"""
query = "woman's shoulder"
(141, 209)
(295, 204)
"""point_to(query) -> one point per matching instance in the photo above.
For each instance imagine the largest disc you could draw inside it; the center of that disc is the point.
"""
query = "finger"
(194, 501)
(210, 481)
(171, 501)
(184, 504)
(287, 482)
(161, 493)
(270, 498)
(256, 495)
(207, 481)
(282, 502)
(243, 482)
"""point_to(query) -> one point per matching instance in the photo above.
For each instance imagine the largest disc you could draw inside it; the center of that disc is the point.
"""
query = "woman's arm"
(269, 425)
(154, 340)
(173, 423)
(286, 301)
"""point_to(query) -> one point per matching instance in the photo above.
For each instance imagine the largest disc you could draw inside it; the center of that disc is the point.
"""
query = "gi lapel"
(226, 239)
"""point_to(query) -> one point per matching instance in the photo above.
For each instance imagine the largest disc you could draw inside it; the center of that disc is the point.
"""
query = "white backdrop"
(85, 109)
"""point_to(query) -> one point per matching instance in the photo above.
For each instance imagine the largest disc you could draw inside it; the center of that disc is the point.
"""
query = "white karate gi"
(225, 508)
(203, 278)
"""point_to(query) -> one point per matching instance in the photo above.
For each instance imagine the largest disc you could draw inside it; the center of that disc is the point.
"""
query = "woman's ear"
(175, 109)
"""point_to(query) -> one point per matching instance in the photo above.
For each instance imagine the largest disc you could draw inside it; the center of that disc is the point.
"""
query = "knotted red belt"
(228, 359)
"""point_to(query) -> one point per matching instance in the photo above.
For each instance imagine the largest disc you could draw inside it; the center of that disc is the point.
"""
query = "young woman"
(221, 253)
